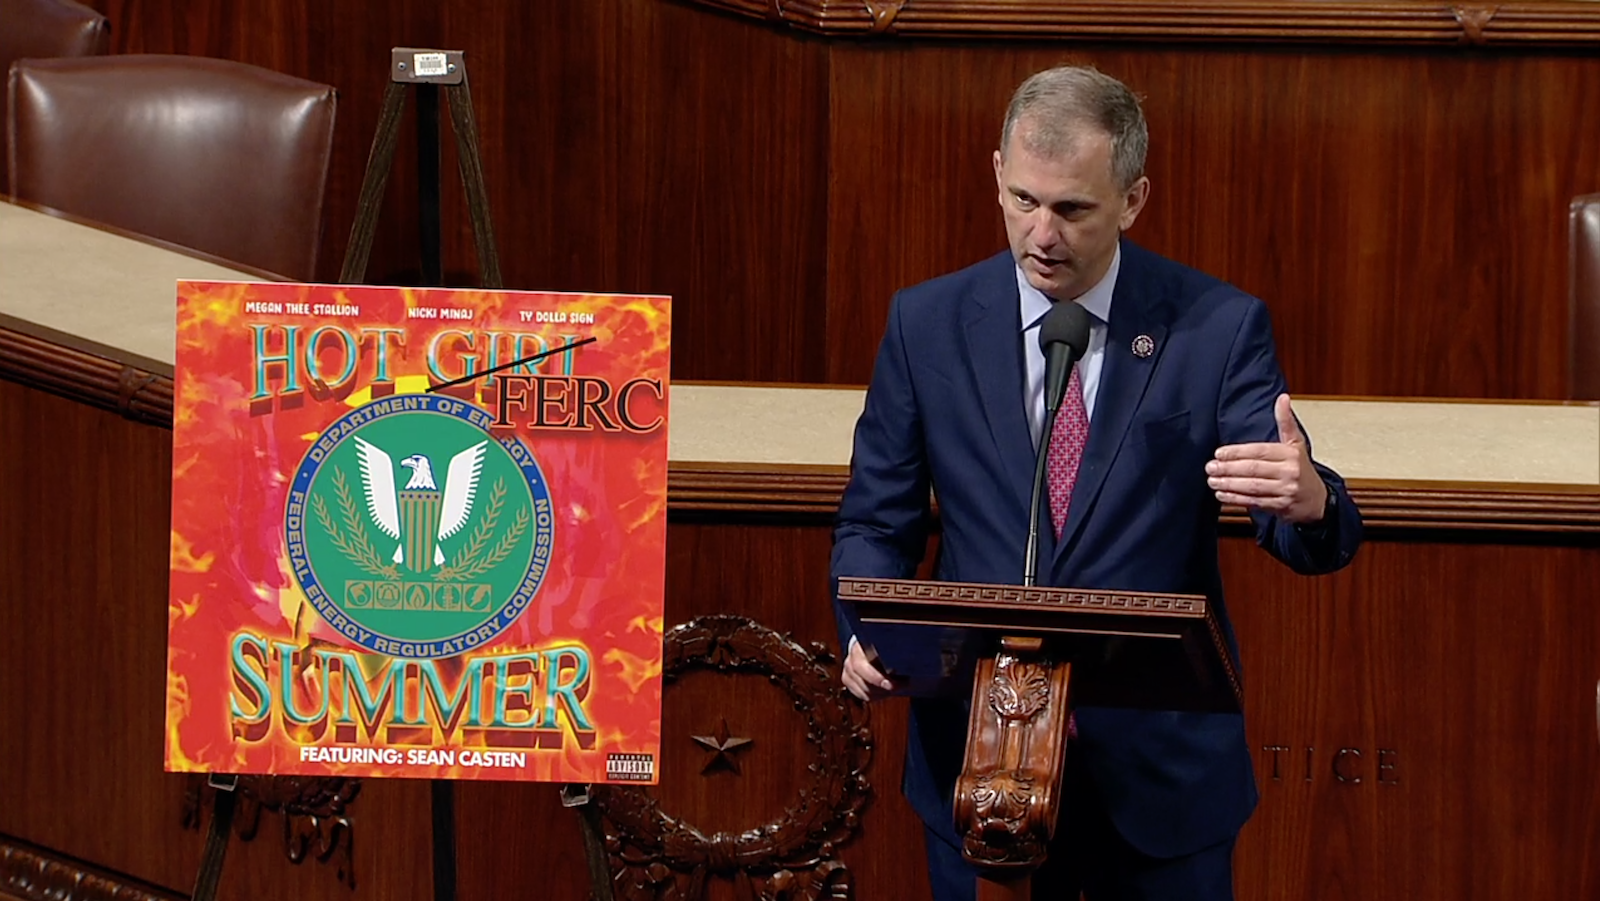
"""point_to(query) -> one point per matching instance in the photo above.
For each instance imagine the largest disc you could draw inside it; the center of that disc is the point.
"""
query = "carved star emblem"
(722, 746)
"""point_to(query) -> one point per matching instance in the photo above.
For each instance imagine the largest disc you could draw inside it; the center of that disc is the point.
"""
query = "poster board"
(399, 551)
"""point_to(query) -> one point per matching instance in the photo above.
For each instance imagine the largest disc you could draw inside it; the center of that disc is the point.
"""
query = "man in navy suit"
(1184, 407)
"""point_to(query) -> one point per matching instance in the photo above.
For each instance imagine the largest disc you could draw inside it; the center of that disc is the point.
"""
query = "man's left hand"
(1275, 477)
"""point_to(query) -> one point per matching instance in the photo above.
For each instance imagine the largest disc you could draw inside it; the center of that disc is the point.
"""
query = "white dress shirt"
(1035, 305)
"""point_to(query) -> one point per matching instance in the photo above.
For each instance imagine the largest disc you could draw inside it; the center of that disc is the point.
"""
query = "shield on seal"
(419, 527)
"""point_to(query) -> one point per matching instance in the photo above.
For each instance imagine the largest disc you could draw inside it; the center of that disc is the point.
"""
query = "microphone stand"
(1030, 564)
(1060, 358)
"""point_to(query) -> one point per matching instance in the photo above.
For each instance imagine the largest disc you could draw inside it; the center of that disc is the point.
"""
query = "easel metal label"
(415, 65)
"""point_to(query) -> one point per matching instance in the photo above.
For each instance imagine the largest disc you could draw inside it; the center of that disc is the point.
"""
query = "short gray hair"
(1058, 102)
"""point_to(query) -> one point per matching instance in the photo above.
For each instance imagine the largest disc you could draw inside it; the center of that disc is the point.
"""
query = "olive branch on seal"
(469, 561)
(354, 545)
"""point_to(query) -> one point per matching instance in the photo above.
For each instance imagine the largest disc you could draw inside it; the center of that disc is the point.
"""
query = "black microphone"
(1063, 336)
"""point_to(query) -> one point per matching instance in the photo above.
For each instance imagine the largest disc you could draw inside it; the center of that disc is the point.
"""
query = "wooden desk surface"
(1364, 439)
(93, 288)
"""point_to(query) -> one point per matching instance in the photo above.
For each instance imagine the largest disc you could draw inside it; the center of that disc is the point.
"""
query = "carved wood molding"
(78, 375)
(31, 873)
(1189, 647)
(1507, 508)
(1384, 505)
(788, 491)
(656, 855)
(315, 813)
(1466, 24)
(755, 489)
(1007, 797)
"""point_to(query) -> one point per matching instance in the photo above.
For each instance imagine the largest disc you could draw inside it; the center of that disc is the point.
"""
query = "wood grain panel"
(628, 146)
(511, 838)
(1401, 212)
(1458, 681)
(84, 546)
(84, 573)
(777, 574)
(1402, 215)
(82, 638)
(1451, 673)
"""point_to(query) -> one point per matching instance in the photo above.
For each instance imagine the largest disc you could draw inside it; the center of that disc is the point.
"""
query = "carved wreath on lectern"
(657, 856)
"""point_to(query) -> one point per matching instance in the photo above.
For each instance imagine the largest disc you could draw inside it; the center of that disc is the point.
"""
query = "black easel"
(426, 70)
(210, 873)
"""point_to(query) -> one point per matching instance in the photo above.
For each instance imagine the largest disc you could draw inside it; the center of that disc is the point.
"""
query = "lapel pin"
(1143, 346)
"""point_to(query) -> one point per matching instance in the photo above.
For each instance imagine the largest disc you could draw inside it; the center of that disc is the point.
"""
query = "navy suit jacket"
(945, 414)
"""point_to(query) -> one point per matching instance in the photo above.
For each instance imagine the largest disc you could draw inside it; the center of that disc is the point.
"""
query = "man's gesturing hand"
(1276, 477)
(864, 680)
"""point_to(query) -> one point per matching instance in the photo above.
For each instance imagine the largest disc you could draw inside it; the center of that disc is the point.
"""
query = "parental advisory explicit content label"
(630, 767)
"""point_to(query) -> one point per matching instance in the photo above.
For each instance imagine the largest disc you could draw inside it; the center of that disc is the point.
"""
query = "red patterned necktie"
(1068, 437)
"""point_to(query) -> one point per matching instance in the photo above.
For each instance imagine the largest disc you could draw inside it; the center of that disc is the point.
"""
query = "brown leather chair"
(219, 156)
(47, 28)
(1583, 284)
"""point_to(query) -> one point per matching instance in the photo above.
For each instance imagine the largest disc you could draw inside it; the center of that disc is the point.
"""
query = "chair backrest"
(1583, 285)
(214, 155)
(47, 28)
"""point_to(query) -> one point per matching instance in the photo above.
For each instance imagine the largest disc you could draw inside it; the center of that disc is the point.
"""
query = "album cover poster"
(417, 533)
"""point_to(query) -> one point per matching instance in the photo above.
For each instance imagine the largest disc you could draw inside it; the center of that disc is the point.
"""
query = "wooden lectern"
(1056, 647)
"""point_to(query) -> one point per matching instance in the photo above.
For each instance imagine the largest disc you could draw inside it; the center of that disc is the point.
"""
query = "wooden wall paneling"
(1403, 215)
(1446, 689)
(513, 840)
(1456, 666)
(628, 146)
(84, 532)
(775, 573)
(82, 638)
(674, 152)
(1401, 226)
(1401, 212)
(911, 189)
(79, 748)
